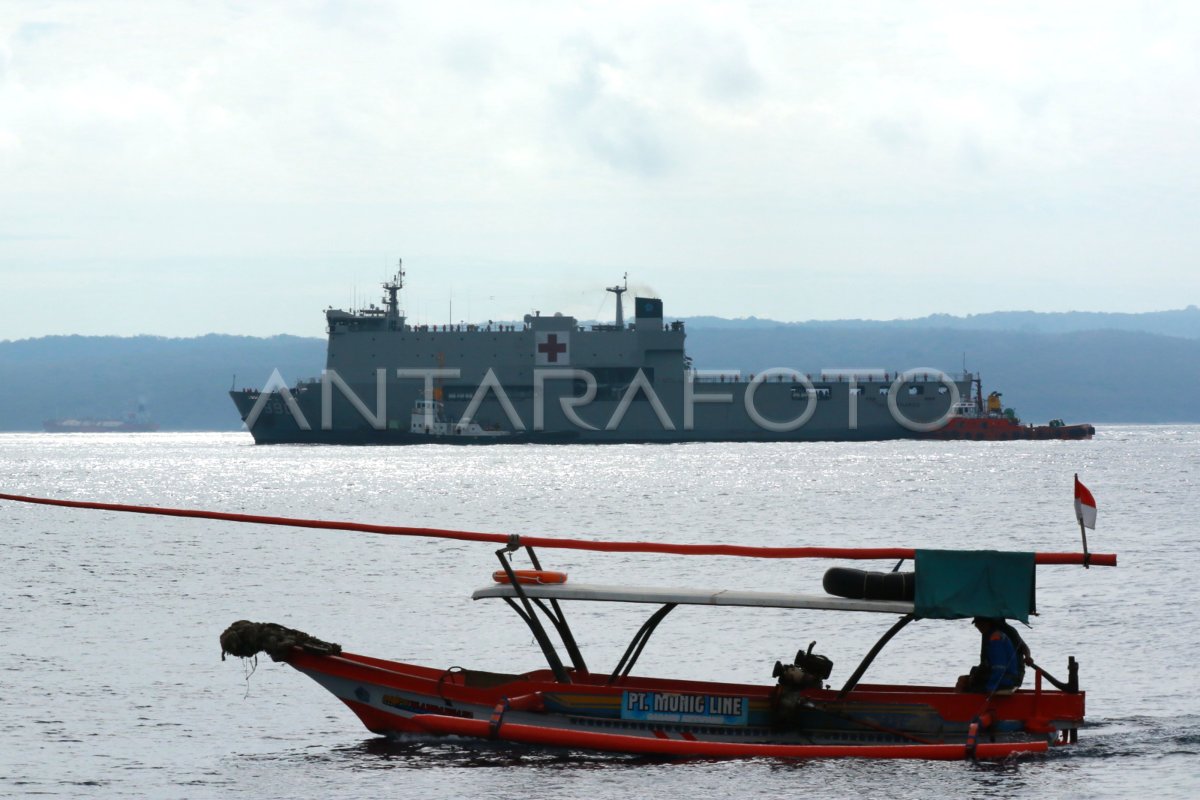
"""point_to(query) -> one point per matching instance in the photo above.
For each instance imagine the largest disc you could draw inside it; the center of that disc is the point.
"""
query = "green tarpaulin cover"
(952, 584)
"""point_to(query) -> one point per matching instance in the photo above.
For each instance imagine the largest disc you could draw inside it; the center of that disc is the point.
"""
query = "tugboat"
(971, 420)
(429, 419)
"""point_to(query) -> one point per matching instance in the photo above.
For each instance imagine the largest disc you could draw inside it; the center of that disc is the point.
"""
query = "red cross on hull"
(552, 347)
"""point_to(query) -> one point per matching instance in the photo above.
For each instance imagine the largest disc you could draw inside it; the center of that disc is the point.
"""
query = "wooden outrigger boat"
(570, 705)
(801, 716)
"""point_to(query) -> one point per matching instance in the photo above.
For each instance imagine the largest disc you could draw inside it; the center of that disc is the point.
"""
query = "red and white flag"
(1085, 505)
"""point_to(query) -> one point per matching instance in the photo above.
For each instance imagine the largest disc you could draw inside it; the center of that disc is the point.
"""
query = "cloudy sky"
(179, 168)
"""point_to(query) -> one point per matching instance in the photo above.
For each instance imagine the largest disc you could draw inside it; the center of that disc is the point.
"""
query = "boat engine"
(808, 671)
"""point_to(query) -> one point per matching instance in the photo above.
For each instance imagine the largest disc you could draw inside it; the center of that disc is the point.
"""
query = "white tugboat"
(429, 419)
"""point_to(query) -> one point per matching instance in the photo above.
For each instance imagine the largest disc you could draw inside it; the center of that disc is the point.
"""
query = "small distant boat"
(801, 716)
(138, 422)
(92, 425)
(971, 420)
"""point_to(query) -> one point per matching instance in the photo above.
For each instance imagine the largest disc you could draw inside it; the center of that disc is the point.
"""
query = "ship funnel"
(647, 308)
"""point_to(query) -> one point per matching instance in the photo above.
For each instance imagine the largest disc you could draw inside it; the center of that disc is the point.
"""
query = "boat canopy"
(953, 584)
(694, 597)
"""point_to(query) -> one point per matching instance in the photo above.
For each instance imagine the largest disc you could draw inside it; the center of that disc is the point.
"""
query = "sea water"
(112, 684)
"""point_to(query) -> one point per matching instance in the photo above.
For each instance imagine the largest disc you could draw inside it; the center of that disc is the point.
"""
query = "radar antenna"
(392, 287)
(618, 291)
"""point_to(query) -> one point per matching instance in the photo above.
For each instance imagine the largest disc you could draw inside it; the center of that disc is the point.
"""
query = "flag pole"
(1087, 557)
(1083, 533)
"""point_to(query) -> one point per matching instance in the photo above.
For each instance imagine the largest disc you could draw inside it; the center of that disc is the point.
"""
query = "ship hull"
(840, 416)
(552, 380)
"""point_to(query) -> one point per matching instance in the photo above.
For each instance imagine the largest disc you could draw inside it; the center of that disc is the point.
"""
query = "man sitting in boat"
(1002, 658)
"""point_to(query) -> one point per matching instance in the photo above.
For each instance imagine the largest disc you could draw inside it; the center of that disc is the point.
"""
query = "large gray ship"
(550, 379)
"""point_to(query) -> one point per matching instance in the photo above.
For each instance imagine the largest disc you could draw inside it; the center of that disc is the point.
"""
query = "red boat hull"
(641, 745)
(874, 721)
(1001, 429)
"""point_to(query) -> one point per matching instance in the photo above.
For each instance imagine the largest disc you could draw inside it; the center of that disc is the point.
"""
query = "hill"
(1085, 375)
(182, 381)
(1184, 322)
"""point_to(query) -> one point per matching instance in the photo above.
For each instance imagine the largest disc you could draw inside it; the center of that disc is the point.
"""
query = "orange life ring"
(531, 576)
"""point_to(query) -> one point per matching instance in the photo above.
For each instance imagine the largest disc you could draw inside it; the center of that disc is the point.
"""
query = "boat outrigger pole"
(602, 546)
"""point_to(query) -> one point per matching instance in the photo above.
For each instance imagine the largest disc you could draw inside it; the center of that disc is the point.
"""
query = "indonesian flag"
(1085, 505)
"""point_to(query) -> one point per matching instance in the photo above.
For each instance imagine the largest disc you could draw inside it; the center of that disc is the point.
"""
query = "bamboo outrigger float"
(567, 704)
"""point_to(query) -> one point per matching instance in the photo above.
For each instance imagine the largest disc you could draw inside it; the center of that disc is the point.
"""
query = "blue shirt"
(1003, 662)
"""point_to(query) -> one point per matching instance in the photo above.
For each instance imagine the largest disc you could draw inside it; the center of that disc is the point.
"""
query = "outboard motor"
(809, 671)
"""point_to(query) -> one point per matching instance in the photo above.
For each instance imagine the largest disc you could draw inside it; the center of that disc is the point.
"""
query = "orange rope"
(744, 551)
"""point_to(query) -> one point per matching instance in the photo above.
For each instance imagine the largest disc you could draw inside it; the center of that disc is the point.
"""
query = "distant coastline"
(1082, 367)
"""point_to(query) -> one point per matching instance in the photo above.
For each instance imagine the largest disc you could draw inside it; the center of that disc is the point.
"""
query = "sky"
(178, 168)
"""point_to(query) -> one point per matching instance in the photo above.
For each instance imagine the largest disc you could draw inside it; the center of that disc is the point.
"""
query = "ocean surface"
(112, 685)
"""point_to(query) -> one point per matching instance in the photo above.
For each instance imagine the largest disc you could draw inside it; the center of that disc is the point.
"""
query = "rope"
(735, 550)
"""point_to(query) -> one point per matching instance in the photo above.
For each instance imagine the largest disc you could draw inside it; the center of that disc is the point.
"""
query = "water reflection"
(110, 622)
(440, 753)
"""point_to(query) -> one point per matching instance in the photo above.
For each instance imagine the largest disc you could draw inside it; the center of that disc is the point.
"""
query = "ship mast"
(618, 291)
(392, 287)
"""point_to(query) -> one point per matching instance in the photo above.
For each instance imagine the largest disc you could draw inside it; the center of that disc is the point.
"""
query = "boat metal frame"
(525, 600)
